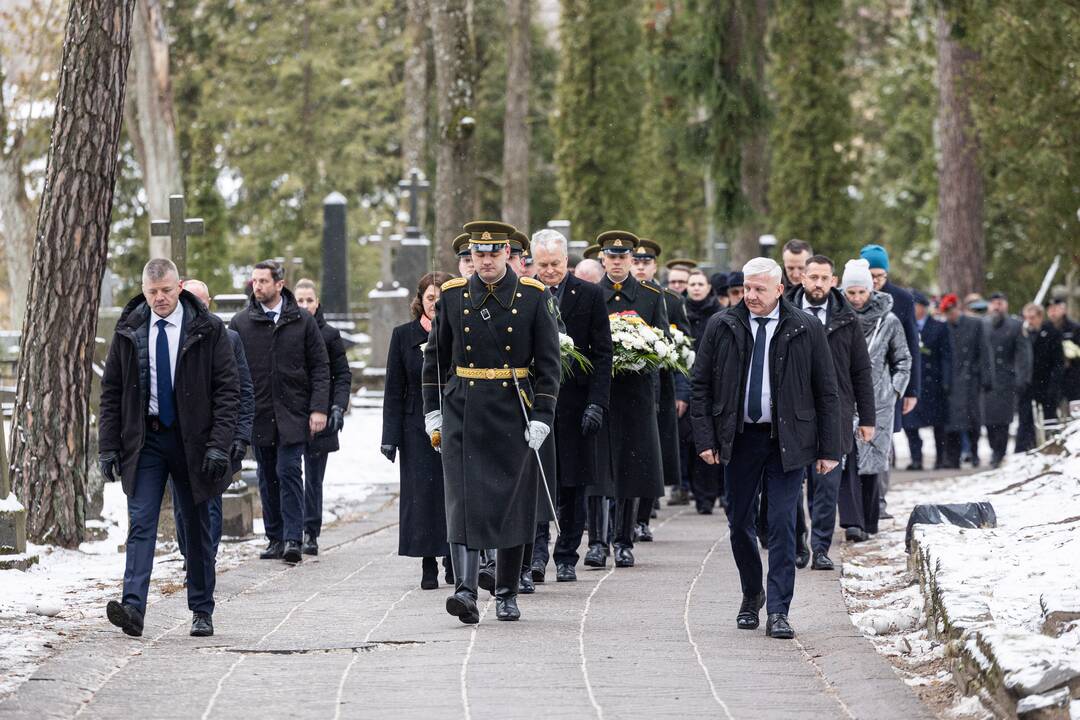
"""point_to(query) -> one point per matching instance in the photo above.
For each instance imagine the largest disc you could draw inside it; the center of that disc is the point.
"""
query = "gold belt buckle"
(490, 374)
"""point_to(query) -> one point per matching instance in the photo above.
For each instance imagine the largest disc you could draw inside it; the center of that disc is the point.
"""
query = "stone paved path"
(351, 635)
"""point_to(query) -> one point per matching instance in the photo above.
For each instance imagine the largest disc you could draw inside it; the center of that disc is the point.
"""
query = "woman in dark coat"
(422, 531)
(706, 481)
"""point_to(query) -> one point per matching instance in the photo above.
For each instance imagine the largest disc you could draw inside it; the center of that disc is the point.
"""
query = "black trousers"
(998, 435)
(914, 441)
(859, 502)
(954, 443)
(756, 456)
(572, 516)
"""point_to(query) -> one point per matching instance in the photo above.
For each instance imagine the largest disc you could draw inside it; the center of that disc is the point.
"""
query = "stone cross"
(415, 186)
(178, 228)
(385, 241)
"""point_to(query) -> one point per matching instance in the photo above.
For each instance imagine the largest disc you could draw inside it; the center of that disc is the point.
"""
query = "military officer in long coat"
(1010, 359)
(630, 442)
(488, 331)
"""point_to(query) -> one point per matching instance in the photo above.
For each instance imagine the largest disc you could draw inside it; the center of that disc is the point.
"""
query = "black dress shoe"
(822, 562)
(525, 584)
(273, 551)
(565, 572)
(678, 497)
(429, 578)
(748, 619)
(914, 466)
(624, 557)
(126, 617)
(777, 627)
(506, 608)
(487, 578)
(448, 571)
(311, 544)
(643, 533)
(704, 510)
(538, 571)
(292, 554)
(854, 534)
(462, 605)
(802, 553)
(596, 557)
(202, 625)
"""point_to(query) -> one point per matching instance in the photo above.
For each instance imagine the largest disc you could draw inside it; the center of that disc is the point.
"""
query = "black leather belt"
(757, 427)
(154, 424)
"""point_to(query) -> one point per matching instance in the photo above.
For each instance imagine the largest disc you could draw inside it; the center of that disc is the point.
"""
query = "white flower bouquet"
(637, 347)
(572, 357)
(684, 349)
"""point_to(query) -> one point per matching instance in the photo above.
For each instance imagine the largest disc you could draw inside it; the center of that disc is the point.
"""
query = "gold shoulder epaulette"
(673, 294)
(453, 283)
(533, 282)
(650, 287)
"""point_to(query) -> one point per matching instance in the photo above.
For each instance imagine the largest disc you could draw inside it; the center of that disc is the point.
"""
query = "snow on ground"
(64, 594)
(994, 586)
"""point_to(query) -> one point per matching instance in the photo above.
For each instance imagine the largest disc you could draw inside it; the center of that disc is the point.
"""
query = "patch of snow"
(10, 504)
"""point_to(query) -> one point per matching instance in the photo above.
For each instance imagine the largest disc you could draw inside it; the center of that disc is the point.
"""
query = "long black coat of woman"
(422, 531)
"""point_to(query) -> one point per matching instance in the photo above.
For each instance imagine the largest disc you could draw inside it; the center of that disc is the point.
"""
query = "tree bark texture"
(455, 182)
(516, 133)
(17, 230)
(417, 45)
(961, 241)
(151, 117)
(50, 428)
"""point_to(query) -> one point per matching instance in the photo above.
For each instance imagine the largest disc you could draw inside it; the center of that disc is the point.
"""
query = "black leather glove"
(592, 419)
(336, 421)
(109, 464)
(238, 451)
(216, 464)
(388, 451)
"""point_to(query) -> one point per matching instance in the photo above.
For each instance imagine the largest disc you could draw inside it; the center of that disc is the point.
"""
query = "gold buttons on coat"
(472, 382)
(508, 347)
(513, 311)
(472, 364)
(504, 383)
(510, 329)
(464, 294)
(466, 328)
(468, 347)
(466, 311)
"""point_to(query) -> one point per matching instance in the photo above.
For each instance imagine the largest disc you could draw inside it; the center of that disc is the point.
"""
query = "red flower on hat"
(948, 301)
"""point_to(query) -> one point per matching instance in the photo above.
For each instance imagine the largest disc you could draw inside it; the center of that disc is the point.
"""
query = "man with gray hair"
(765, 404)
(589, 270)
(167, 346)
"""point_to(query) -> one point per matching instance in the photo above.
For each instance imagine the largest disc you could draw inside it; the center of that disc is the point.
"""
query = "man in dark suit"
(583, 398)
(935, 359)
(765, 405)
(167, 346)
(904, 309)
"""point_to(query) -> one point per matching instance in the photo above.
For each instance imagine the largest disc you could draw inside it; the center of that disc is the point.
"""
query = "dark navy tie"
(166, 401)
(757, 369)
(271, 314)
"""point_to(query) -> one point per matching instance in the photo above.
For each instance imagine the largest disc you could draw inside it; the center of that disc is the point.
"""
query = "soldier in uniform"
(464, 255)
(519, 249)
(488, 331)
(592, 252)
(674, 387)
(630, 442)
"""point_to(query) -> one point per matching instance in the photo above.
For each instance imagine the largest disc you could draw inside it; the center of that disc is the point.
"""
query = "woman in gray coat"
(890, 362)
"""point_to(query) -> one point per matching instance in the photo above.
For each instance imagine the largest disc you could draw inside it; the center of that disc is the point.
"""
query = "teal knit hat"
(876, 256)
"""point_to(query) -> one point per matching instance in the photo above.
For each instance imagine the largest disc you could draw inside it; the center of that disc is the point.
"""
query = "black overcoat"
(204, 381)
(935, 354)
(805, 403)
(1010, 356)
(490, 475)
(582, 307)
(904, 309)
(422, 504)
(971, 374)
(630, 442)
(340, 382)
(1048, 364)
(289, 368)
(667, 417)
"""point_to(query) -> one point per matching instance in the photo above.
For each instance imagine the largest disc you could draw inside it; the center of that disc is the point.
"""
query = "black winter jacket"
(340, 381)
(854, 375)
(805, 404)
(205, 384)
(289, 368)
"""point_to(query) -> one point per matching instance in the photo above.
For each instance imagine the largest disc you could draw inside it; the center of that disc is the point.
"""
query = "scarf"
(425, 322)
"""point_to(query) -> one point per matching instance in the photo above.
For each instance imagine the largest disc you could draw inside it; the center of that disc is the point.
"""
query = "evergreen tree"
(598, 114)
(810, 169)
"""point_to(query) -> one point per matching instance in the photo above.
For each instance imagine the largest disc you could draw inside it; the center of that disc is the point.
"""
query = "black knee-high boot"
(487, 570)
(507, 577)
(525, 583)
(462, 604)
(625, 515)
(598, 532)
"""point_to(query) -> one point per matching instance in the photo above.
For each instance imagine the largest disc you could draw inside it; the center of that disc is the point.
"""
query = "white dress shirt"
(276, 309)
(172, 334)
(808, 307)
(766, 389)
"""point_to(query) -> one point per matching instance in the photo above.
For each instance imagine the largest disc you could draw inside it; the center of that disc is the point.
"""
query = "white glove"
(536, 433)
(432, 422)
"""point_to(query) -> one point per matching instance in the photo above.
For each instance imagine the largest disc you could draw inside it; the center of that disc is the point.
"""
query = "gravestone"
(573, 247)
(414, 251)
(389, 303)
(334, 291)
(12, 519)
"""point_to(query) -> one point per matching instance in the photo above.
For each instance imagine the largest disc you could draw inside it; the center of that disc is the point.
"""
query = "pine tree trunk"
(754, 167)
(961, 243)
(417, 44)
(516, 134)
(455, 186)
(49, 436)
(17, 234)
(150, 115)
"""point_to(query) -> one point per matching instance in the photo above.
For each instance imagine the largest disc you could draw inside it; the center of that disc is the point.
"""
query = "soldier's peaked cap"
(617, 242)
(488, 235)
(519, 243)
(461, 245)
(684, 263)
(591, 252)
(647, 249)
